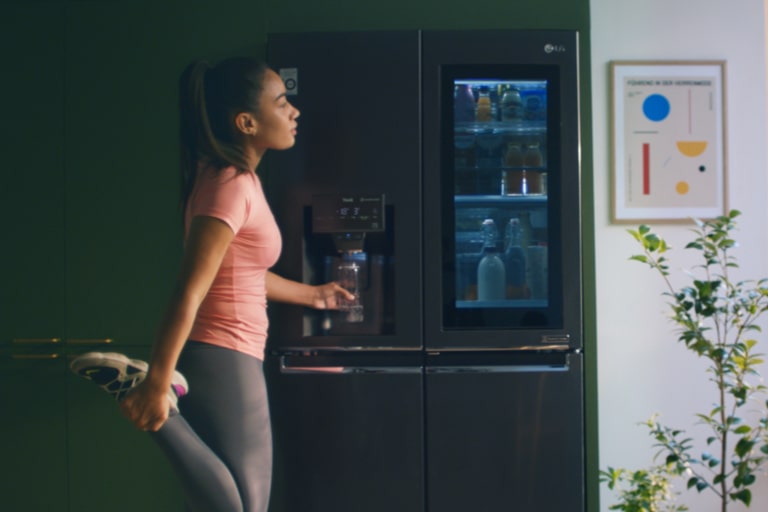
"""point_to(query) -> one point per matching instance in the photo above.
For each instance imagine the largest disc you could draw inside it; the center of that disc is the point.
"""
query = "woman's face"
(276, 119)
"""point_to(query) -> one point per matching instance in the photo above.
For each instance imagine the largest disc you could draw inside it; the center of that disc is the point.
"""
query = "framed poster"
(668, 140)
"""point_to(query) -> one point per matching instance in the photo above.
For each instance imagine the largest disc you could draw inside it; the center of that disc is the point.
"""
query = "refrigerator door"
(505, 432)
(502, 214)
(358, 139)
(348, 433)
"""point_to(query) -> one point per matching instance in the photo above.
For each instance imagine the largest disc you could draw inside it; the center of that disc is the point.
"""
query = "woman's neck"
(253, 156)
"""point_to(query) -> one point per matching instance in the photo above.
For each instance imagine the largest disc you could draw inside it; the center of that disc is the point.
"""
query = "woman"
(221, 445)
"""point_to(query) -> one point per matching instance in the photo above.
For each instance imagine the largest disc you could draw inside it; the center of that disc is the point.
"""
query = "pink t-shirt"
(234, 312)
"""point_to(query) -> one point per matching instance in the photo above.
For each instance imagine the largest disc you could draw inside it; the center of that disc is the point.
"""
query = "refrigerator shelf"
(517, 127)
(486, 200)
(506, 303)
(499, 168)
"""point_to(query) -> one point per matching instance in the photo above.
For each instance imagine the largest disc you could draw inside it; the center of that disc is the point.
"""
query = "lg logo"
(554, 48)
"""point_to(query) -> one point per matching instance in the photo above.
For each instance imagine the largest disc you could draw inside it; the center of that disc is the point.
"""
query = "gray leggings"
(220, 445)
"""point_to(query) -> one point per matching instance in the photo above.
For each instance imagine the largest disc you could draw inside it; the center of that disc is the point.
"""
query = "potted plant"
(716, 319)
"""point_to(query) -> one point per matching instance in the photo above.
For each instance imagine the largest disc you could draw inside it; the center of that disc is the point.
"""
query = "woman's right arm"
(208, 239)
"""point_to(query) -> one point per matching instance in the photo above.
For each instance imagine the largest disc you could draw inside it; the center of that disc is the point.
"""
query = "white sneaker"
(117, 374)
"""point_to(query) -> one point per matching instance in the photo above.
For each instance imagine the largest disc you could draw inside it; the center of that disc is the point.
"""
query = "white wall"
(641, 368)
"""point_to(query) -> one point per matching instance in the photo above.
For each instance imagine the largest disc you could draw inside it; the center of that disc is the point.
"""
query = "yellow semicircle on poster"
(691, 147)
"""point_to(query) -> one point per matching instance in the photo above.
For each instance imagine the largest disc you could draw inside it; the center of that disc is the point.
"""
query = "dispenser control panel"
(348, 213)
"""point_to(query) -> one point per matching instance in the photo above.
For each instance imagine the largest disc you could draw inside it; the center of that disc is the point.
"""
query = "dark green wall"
(107, 118)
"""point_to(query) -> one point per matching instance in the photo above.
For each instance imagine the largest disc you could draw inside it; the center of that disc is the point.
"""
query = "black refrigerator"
(436, 175)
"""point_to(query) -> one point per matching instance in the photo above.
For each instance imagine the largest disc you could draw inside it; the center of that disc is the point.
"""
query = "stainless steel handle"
(356, 369)
(524, 348)
(326, 370)
(523, 368)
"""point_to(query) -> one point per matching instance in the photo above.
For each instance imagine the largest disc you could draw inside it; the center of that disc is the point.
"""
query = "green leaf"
(744, 495)
(744, 446)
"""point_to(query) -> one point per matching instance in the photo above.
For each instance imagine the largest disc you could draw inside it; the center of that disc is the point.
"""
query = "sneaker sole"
(118, 374)
(115, 373)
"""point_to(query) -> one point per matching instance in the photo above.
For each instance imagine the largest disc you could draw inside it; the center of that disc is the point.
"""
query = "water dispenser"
(351, 241)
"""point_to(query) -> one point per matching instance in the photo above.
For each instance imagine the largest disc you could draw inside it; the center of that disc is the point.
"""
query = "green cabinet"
(73, 245)
(32, 203)
(33, 447)
(33, 394)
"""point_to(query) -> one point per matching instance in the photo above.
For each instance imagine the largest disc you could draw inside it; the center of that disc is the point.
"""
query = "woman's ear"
(246, 123)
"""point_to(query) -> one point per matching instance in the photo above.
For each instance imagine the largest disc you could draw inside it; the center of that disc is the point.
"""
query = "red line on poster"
(646, 169)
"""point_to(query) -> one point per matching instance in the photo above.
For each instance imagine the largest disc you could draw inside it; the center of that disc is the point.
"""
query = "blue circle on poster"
(656, 107)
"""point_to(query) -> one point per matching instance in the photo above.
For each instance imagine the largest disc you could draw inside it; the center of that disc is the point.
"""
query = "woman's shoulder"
(227, 174)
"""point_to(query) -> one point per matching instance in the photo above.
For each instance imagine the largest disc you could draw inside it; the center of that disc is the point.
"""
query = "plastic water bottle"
(514, 260)
(511, 105)
(491, 276)
(463, 103)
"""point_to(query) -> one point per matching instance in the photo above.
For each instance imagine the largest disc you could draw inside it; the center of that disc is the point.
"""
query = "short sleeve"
(223, 195)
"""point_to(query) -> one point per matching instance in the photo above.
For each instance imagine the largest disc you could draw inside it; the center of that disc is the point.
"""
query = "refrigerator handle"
(357, 369)
(510, 368)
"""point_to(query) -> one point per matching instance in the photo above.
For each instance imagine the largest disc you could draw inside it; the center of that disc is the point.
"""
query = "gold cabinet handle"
(70, 341)
(36, 341)
(38, 357)
(89, 341)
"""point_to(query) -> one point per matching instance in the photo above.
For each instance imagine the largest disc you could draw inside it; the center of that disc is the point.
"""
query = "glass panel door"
(500, 195)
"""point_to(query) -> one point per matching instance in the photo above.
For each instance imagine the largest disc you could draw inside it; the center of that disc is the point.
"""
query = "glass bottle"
(533, 158)
(514, 175)
(491, 275)
(537, 271)
(514, 155)
(514, 261)
(484, 111)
